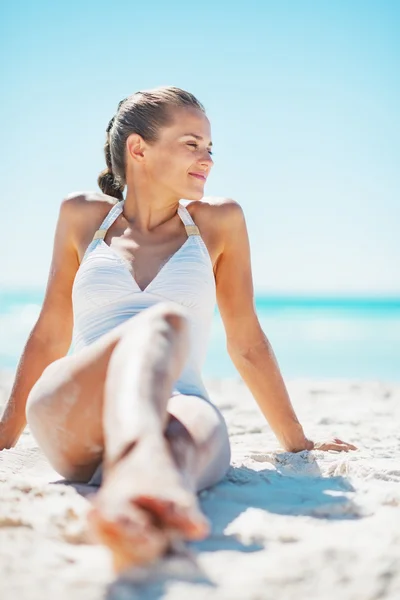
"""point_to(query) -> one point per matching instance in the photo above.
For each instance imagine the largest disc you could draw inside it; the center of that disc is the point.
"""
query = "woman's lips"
(199, 176)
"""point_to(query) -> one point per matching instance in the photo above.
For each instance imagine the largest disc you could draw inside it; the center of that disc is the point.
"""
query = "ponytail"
(107, 181)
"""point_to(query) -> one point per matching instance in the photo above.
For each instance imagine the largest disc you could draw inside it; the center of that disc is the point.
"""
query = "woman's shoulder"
(209, 205)
(89, 201)
(83, 212)
(83, 207)
(218, 210)
(219, 219)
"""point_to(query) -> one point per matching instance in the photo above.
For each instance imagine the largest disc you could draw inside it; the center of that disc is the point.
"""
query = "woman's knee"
(37, 401)
(215, 448)
(52, 392)
(45, 431)
(67, 452)
(158, 336)
(216, 457)
(166, 315)
(205, 424)
(222, 445)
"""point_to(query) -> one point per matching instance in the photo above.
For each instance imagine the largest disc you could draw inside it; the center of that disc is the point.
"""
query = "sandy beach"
(315, 525)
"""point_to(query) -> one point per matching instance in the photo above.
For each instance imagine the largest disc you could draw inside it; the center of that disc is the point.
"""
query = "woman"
(137, 298)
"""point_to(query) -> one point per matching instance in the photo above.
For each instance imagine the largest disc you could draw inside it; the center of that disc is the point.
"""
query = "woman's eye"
(194, 145)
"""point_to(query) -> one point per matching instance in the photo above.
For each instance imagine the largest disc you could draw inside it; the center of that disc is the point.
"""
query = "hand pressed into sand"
(139, 510)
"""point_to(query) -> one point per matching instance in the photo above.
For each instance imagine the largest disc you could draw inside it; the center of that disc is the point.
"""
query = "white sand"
(285, 526)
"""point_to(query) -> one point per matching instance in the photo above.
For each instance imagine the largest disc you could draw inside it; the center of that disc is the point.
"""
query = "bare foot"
(131, 537)
(143, 503)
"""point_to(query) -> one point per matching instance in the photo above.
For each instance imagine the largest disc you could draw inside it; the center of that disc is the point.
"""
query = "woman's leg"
(159, 475)
(196, 421)
(142, 433)
(65, 407)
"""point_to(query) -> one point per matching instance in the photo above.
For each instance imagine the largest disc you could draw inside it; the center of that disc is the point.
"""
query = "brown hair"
(143, 113)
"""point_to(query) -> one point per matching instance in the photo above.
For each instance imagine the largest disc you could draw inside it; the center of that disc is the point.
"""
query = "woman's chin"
(194, 194)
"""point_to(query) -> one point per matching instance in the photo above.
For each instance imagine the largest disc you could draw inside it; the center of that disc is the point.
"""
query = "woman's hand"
(334, 444)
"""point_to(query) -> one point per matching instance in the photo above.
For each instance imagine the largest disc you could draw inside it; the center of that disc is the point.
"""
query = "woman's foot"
(131, 537)
(143, 503)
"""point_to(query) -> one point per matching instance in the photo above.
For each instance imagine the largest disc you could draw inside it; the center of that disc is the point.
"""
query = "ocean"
(312, 337)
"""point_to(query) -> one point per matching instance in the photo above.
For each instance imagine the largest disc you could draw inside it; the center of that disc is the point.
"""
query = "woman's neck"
(147, 211)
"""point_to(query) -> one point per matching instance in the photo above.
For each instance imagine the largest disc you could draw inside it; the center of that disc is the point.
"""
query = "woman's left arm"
(247, 344)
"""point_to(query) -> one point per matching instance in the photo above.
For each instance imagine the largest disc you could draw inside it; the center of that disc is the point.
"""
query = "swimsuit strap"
(109, 220)
(190, 225)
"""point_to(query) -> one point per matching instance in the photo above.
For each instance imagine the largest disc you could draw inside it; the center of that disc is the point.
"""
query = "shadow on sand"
(281, 490)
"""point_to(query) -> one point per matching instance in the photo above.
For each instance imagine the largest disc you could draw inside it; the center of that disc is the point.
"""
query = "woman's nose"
(207, 159)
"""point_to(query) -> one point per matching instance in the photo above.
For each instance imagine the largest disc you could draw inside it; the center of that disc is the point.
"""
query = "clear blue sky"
(303, 99)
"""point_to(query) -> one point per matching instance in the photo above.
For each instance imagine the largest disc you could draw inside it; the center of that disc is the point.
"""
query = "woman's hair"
(144, 113)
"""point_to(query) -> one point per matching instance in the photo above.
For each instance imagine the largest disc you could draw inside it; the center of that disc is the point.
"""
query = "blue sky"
(303, 99)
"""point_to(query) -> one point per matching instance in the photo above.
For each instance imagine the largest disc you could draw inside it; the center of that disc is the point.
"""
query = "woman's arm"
(247, 344)
(50, 338)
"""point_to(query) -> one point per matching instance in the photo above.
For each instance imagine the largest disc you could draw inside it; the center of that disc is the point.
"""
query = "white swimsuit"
(105, 294)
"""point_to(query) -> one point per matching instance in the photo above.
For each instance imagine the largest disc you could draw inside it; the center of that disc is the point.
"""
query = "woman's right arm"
(51, 336)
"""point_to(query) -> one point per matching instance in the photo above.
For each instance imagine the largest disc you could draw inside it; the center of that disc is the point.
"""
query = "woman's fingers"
(337, 444)
(332, 446)
(351, 446)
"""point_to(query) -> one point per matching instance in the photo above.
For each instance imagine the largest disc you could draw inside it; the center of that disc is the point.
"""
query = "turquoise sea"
(313, 337)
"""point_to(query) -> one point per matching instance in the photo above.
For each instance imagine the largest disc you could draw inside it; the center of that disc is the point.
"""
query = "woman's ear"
(135, 147)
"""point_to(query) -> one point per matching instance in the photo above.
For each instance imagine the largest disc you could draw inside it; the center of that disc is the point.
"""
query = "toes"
(188, 520)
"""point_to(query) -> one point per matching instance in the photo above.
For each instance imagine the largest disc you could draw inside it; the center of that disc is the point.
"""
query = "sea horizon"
(260, 293)
(321, 336)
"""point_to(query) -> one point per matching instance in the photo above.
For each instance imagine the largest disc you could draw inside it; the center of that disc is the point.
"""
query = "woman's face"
(180, 160)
